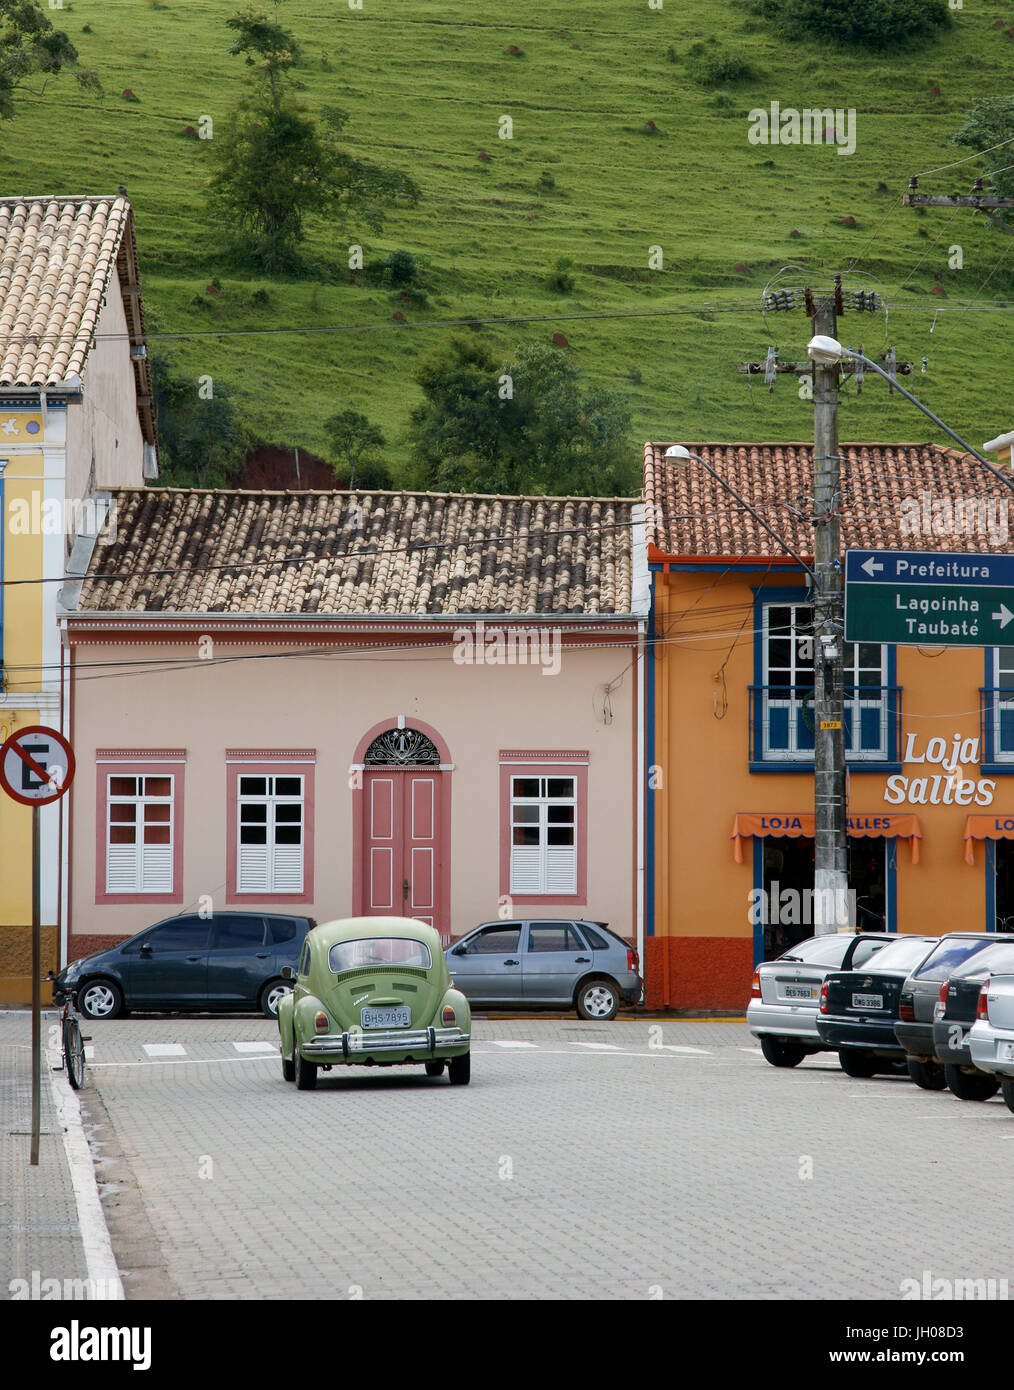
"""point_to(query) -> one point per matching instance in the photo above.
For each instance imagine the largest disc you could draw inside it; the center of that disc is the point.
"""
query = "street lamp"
(828, 352)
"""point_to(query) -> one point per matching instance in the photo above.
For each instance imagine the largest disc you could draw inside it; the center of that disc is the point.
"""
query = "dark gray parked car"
(228, 961)
(540, 962)
(919, 996)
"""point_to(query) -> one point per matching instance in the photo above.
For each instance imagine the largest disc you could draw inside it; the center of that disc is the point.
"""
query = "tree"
(30, 47)
(200, 441)
(876, 24)
(528, 424)
(356, 440)
(990, 122)
(277, 166)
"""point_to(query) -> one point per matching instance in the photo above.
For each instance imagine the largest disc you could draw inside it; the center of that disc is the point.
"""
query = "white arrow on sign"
(870, 566)
(1004, 615)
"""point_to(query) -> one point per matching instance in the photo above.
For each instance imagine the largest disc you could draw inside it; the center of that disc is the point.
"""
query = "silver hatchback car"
(541, 962)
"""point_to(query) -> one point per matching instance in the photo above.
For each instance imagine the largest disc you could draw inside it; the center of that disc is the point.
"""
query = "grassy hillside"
(584, 177)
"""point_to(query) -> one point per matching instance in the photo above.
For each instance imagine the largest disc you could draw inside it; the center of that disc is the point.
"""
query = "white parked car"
(990, 1039)
(785, 994)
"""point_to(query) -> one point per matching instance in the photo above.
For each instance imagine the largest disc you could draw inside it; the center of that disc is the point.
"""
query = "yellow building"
(76, 418)
(929, 728)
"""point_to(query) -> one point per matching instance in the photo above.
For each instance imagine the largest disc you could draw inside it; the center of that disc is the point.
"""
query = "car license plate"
(867, 1001)
(1005, 1052)
(800, 991)
(396, 1016)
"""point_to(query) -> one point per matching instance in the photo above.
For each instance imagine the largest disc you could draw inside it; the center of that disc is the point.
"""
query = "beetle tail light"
(448, 1016)
(982, 1007)
(321, 1022)
(823, 998)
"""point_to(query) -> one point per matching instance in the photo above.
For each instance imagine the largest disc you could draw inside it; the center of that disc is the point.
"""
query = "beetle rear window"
(379, 950)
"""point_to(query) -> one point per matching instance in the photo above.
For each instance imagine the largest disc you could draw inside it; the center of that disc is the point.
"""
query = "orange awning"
(986, 828)
(800, 825)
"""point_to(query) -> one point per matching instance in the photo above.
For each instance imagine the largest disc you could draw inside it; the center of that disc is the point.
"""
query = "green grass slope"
(583, 177)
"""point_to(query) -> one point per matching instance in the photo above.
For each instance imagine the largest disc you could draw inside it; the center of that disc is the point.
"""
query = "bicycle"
(71, 1037)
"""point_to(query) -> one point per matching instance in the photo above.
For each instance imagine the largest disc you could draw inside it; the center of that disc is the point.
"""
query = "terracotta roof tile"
(355, 553)
(57, 257)
(690, 514)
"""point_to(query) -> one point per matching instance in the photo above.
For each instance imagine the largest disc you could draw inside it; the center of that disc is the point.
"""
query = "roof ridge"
(370, 492)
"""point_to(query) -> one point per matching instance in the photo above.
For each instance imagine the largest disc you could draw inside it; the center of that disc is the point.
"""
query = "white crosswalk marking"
(498, 1043)
(600, 1047)
(165, 1049)
(673, 1047)
(255, 1047)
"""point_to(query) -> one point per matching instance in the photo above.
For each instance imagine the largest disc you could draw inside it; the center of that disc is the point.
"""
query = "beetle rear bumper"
(352, 1047)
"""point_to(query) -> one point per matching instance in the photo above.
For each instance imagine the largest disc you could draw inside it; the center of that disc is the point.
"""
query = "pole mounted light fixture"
(828, 352)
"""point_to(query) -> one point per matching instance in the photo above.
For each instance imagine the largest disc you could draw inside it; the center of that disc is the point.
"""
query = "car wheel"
(288, 1069)
(928, 1075)
(1007, 1088)
(272, 992)
(100, 999)
(434, 1068)
(970, 1085)
(858, 1064)
(781, 1054)
(459, 1069)
(598, 999)
(305, 1073)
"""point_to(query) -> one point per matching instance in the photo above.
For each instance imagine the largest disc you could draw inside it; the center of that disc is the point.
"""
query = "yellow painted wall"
(22, 654)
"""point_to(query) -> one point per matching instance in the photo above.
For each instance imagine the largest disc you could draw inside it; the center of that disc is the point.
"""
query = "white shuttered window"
(543, 835)
(139, 834)
(270, 842)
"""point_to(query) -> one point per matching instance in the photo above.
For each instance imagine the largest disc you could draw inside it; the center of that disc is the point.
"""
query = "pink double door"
(404, 860)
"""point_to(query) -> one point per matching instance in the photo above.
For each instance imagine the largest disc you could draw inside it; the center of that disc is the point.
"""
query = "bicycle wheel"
(73, 1052)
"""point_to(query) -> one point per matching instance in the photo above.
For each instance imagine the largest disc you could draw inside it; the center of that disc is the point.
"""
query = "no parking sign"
(36, 765)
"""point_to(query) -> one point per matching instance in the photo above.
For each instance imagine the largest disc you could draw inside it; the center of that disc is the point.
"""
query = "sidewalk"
(53, 1237)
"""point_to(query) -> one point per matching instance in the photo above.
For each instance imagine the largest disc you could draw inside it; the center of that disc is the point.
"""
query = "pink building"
(338, 703)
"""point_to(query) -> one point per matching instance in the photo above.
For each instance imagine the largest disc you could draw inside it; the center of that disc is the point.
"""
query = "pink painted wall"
(328, 703)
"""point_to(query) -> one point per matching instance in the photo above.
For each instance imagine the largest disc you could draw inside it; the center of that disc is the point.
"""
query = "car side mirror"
(458, 951)
(288, 973)
(145, 950)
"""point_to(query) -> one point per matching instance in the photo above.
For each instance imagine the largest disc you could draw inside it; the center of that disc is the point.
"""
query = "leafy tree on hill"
(990, 122)
(876, 24)
(200, 442)
(30, 48)
(530, 424)
(356, 441)
(277, 166)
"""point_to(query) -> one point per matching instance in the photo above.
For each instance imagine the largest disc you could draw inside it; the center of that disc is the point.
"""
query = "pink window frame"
(265, 762)
(549, 763)
(138, 762)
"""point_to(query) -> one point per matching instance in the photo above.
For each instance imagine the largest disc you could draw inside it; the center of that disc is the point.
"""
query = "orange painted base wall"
(705, 972)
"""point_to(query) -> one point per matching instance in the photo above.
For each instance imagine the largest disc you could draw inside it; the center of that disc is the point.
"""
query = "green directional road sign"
(917, 598)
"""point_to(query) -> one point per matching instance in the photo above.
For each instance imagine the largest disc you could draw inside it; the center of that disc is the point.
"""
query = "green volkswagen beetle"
(374, 992)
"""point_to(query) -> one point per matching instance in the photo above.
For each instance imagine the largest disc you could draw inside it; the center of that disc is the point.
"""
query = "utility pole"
(830, 842)
(829, 790)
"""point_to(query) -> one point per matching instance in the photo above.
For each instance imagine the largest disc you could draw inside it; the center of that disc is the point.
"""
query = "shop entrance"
(1003, 898)
(788, 884)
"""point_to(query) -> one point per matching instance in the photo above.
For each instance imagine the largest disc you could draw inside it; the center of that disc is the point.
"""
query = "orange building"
(929, 729)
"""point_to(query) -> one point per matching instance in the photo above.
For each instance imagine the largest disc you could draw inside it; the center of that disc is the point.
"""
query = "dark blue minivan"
(222, 962)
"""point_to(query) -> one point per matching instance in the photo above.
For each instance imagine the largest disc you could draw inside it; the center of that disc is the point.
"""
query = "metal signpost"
(36, 768)
(929, 598)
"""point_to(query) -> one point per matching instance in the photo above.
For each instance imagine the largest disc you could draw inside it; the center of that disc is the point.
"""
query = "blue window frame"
(3, 534)
(781, 699)
(996, 704)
